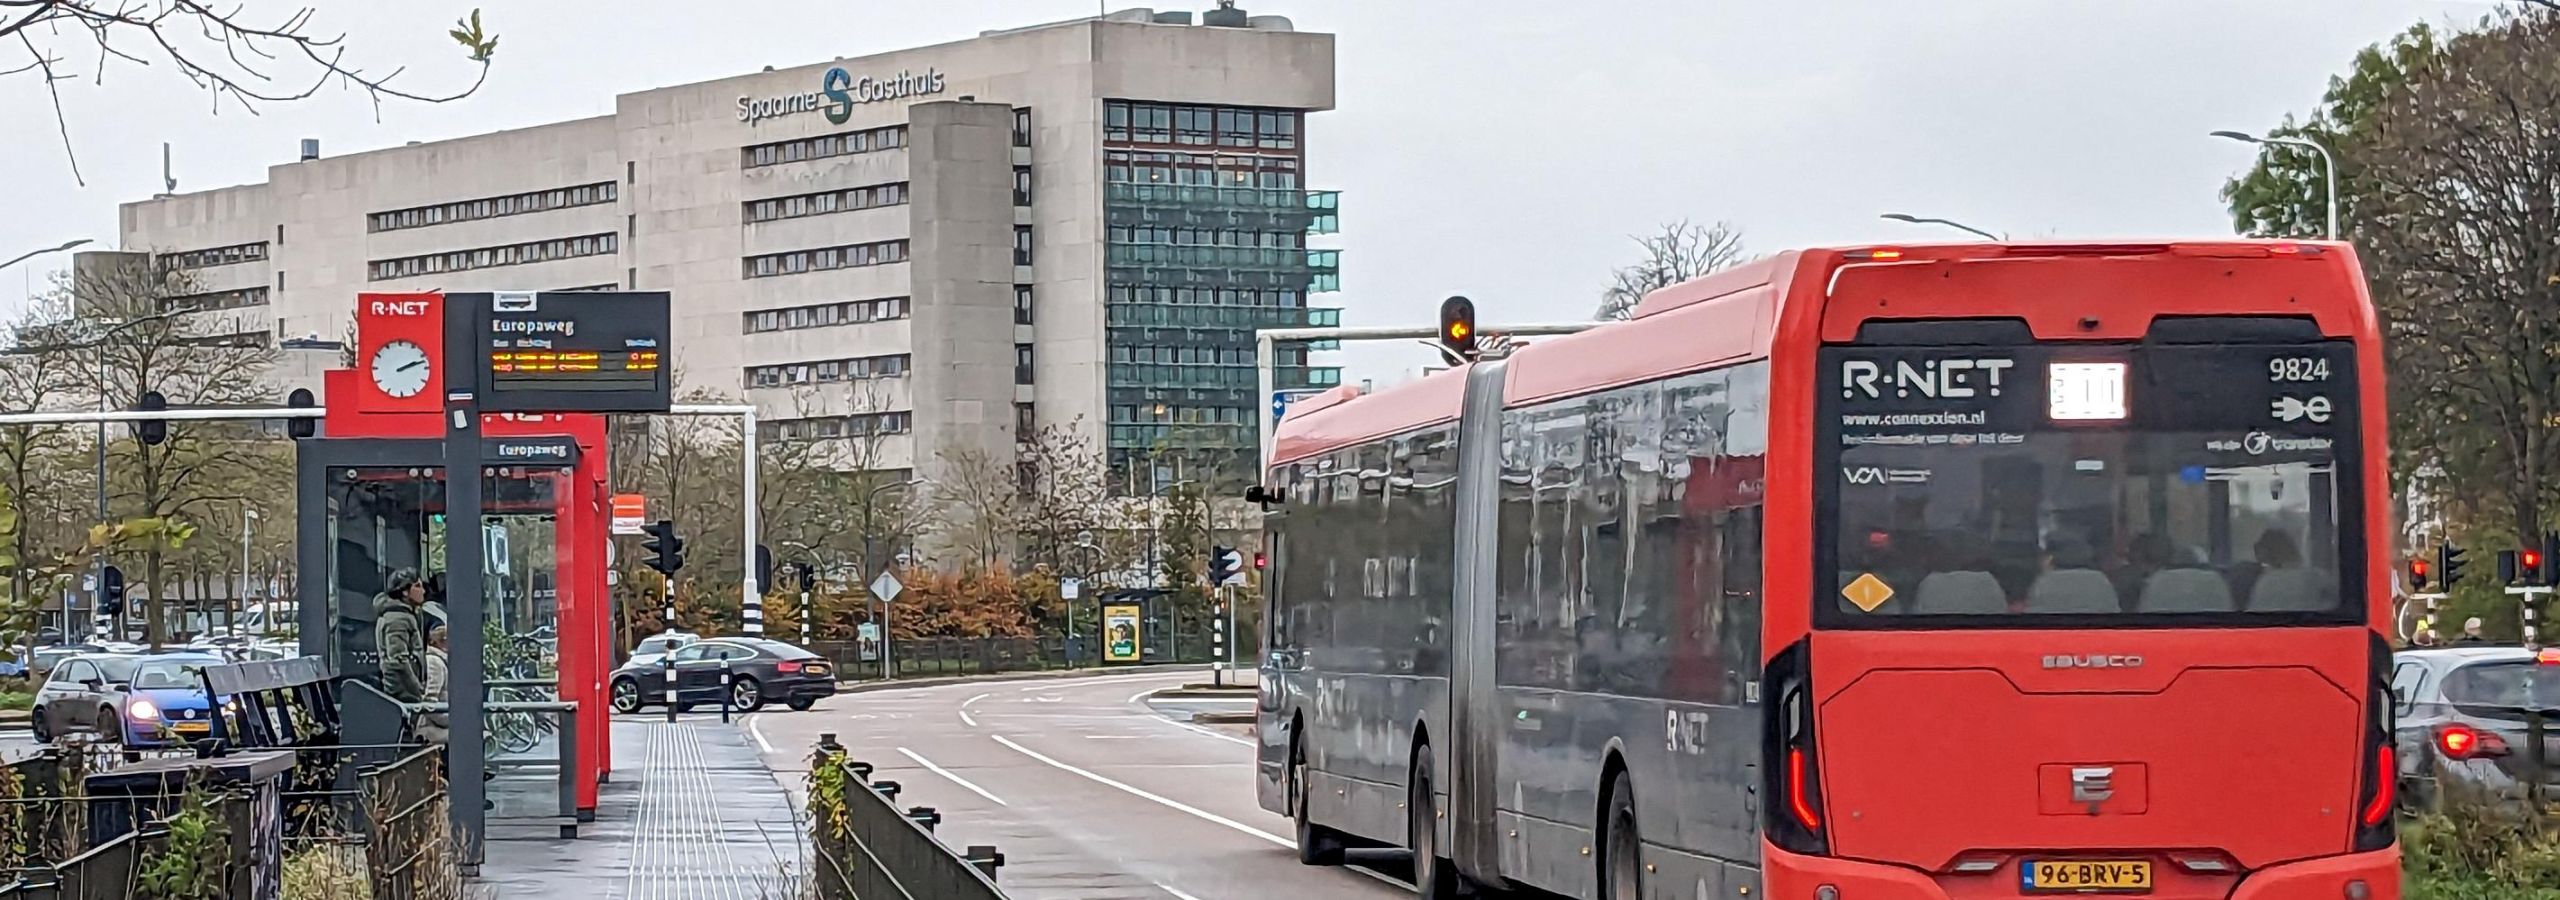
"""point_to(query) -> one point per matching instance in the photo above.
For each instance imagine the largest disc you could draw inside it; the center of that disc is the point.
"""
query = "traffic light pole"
(2427, 623)
(2534, 728)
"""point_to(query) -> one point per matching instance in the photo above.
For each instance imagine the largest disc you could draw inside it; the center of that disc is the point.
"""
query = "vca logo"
(1951, 379)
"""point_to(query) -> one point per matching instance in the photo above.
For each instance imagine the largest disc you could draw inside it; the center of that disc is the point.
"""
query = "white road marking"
(1142, 794)
(1053, 683)
(758, 732)
(1150, 692)
(1175, 891)
(964, 716)
(955, 779)
(1229, 738)
(964, 704)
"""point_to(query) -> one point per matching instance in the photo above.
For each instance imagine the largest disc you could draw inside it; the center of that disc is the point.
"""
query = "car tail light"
(2466, 742)
(1793, 818)
(787, 667)
(2550, 656)
(2375, 828)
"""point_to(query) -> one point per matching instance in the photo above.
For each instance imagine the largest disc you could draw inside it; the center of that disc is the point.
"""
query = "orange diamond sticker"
(1868, 592)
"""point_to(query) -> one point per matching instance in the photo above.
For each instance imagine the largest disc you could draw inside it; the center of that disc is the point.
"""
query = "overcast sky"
(1494, 148)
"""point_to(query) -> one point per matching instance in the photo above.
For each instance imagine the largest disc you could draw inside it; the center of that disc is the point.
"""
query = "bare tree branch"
(225, 56)
(1679, 252)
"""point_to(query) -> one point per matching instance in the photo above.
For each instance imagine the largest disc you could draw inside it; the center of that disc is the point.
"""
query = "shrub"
(2476, 848)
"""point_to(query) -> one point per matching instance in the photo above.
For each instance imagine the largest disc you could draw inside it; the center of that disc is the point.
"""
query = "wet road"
(1089, 789)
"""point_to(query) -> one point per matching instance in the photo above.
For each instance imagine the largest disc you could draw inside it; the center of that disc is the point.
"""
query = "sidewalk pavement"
(691, 814)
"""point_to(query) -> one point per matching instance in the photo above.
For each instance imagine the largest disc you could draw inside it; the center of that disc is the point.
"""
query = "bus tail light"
(1978, 863)
(2466, 742)
(1791, 780)
(2375, 801)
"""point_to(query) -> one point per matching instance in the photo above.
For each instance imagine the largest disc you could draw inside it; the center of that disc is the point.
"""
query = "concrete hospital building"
(1076, 222)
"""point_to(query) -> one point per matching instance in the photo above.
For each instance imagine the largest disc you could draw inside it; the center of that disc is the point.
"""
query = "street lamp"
(871, 501)
(2328, 166)
(1924, 220)
(31, 254)
(97, 599)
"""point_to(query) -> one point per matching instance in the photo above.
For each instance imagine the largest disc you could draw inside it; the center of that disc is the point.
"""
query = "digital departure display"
(575, 351)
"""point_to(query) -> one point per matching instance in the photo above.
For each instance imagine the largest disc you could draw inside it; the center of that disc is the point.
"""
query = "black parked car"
(761, 671)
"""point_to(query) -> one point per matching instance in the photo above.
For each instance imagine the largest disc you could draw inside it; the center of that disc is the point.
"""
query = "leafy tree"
(243, 58)
(1680, 251)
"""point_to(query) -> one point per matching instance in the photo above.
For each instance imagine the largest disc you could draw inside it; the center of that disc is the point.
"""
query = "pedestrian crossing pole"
(2531, 596)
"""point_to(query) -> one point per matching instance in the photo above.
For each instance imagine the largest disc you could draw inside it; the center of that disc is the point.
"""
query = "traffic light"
(1226, 566)
(2418, 574)
(301, 398)
(764, 570)
(1261, 561)
(2507, 567)
(808, 578)
(666, 550)
(2448, 565)
(151, 431)
(1458, 326)
(111, 591)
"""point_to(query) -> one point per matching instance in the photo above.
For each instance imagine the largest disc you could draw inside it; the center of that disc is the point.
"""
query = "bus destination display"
(576, 351)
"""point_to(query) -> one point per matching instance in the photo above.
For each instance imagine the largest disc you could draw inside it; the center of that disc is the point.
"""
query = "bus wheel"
(1621, 846)
(1317, 845)
(1433, 877)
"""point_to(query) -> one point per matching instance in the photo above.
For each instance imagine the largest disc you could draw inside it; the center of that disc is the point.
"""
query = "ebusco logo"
(838, 91)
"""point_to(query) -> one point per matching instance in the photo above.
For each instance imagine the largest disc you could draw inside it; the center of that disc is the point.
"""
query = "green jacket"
(400, 636)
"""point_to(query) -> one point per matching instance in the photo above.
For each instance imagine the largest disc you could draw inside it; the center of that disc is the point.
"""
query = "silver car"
(2462, 721)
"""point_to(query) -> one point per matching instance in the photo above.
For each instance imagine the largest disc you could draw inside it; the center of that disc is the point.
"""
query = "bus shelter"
(372, 502)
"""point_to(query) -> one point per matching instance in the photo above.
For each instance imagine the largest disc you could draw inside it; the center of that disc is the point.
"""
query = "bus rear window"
(2055, 486)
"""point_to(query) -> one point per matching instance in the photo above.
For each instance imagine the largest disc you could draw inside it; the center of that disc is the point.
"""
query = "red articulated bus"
(1931, 572)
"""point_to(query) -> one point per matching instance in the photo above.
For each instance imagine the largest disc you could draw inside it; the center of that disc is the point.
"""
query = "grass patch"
(12, 698)
(2474, 848)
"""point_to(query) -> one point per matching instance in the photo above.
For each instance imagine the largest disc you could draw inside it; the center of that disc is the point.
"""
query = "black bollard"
(728, 682)
(986, 859)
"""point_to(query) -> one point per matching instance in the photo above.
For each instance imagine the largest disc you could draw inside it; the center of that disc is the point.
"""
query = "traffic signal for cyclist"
(151, 431)
(2507, 567)
(110, 591)
(808, 577)
(764, 570)
(1458, 326)
(1226, 566)
(2418, 574)
(2448, 565)
(2546, 561)
(666, 550)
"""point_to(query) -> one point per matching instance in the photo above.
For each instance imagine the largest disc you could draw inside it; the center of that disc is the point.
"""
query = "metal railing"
(866, 849)
(409, 850)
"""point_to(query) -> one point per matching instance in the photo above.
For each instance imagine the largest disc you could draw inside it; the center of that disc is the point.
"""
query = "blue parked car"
(134, 701)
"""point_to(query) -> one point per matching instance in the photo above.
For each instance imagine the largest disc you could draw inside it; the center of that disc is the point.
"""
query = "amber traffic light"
(1458, 326)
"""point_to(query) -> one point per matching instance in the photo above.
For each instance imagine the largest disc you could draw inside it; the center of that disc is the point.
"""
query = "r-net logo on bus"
(1952, 379)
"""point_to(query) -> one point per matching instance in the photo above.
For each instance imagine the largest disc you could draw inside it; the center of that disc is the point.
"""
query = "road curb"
(1179, 693)
(864, 687)
(16, 717)
(1222, 718)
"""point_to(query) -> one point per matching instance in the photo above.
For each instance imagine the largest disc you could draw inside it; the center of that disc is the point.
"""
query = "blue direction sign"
(1280, 401)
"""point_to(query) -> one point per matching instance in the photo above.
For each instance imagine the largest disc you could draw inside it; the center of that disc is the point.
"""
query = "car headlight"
(142, 710)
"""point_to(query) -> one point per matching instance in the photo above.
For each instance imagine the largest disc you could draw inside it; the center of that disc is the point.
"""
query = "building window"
(630, 171)
(215, 256)
(849, 256)
(849, 312)
(605, 244)
(824, 202)
(1022, 304)
(1022, 245)
(1022, 363)
(213, 300)
(1022, 185)
(825, 427)
(1022, 126)
(1128, 122)
(599, 193)
(829, 370)
(823, 146)
(279, 235)
(1025, 422)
